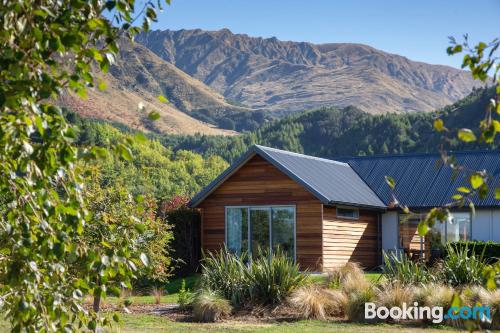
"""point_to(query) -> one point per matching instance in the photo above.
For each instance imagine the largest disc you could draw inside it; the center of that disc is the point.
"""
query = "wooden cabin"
(325, 213)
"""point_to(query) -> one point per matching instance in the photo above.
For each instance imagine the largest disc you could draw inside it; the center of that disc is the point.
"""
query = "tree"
(45, 47)
(120, 227)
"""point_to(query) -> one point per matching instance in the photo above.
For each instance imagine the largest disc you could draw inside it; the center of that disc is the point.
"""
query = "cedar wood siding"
(258, 182)
(349, 240)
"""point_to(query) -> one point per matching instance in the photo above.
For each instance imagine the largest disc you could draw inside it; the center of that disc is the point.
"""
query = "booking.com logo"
(435, 313)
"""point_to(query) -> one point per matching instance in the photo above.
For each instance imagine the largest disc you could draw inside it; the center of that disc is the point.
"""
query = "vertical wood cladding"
(260, 183)
(347, 240)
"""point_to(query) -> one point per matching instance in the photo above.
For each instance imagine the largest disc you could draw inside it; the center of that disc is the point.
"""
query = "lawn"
(155, 324)
(172, 289)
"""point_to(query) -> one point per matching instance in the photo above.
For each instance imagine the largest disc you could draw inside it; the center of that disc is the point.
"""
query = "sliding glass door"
(261, 228)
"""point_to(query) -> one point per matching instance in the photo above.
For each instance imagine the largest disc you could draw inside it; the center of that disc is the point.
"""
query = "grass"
(172, 289)
(156, 324)
(171, 292)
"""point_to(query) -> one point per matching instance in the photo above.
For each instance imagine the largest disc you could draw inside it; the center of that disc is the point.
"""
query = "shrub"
(405, 271)
(489, 250)
(338, 276)
(314, 302)
(157, 293)
(226, 273)
(273, 277)
(461, 268)
(209, 306)
(395, 295)
(439, 295)
(183, 298)
(355, 305)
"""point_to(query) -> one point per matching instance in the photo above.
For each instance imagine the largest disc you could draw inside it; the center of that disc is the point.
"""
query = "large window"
(261, 228)
(456, 228)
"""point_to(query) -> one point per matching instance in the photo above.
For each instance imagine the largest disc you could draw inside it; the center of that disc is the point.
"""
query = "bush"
(266, 280)
(490, 251)
(405, 271)
(461, 268)
(273, 277)
(439, 295)
(227, 273)
(314, 302)
(394, 295)
(355, 306)
(338, 276)
(209, 306)
(183, 298)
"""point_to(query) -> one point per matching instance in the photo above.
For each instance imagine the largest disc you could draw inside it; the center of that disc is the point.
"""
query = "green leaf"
(476, 180)
(497, 193)
(422, 228)
(162, 99)
(140, 227)
(153, 116)
(457, 197)
(466, 135)
(390, 181)
(140, 137)
(101, 86)
(439, 125)
(144, 259)
(463, 189)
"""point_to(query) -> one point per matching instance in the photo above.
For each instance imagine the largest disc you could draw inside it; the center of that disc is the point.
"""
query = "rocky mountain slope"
(290, 76)
(139, 76)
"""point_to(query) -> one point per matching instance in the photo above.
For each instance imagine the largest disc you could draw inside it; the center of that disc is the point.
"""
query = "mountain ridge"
(266, 73)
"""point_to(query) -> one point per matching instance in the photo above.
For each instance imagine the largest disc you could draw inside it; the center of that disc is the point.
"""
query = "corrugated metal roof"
(332, 182)
(421, 181)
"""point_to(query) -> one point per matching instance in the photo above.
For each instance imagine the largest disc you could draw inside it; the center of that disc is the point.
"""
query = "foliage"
(47, 46)
(186, 227)
(209, 306)
(461, 268)
(183, 298)
(315, 302)
(350, 273)
(272, 277)
(265, 279)
(226, 273)
(111, 228)
(490, 251)
(355, 306)
(394, 294)
(332, 132)
(403, 270)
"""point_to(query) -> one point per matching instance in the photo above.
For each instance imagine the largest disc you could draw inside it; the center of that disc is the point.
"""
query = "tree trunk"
(97, 298)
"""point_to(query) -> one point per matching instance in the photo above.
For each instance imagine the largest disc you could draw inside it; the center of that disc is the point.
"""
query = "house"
(324, 213)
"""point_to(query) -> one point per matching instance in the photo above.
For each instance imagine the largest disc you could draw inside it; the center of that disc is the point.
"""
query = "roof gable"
(332, 182)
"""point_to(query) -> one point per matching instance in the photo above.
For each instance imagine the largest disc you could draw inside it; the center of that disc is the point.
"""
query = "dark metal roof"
(332, 182)
(421, 181)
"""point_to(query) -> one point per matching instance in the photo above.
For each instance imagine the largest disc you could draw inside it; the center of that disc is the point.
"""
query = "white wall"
(390, 237)
(486, 225)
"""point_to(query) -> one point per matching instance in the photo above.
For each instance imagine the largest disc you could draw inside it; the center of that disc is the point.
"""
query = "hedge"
(491, 249)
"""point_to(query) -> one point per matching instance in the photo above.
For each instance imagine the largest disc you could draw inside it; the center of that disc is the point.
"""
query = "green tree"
(120, 227)
(45, 47)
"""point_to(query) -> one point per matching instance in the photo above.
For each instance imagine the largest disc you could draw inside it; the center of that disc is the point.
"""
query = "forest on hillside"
(333, 132)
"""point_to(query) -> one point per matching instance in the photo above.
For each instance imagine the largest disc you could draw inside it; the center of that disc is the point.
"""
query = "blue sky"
(418, 30)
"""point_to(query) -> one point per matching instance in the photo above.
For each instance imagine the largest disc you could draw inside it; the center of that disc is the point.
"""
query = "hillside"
(332, 132)
(293, 76)
(139, 76)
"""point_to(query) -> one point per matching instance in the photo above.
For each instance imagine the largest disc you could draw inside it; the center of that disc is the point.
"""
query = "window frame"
(249, 232)
(354, 209)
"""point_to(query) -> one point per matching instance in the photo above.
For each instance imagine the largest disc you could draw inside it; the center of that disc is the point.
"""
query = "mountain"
(333, 132)
(293, 76)
(139, 76)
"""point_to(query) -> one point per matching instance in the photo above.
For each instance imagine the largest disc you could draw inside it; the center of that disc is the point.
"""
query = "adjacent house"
(324, 213)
